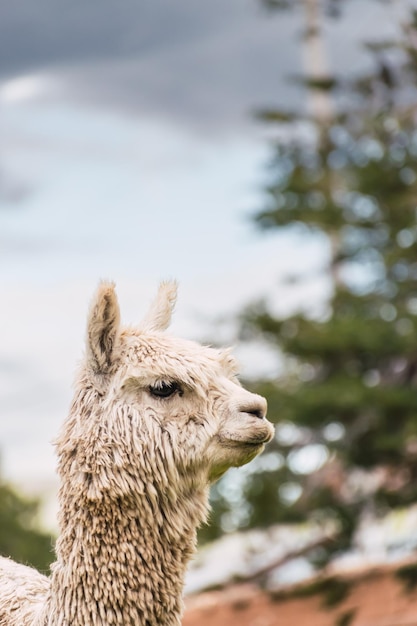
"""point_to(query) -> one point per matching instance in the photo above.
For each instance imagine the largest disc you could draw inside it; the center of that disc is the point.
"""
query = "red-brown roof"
(379, 596)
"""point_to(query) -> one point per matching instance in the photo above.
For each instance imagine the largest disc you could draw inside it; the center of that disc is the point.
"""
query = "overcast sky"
(128, 150)
(208, 63)
(191, 61)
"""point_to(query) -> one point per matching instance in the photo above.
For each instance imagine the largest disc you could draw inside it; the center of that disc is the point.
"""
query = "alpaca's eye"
(165, 390)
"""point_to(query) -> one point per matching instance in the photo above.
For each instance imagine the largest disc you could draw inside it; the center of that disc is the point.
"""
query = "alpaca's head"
(151, 409)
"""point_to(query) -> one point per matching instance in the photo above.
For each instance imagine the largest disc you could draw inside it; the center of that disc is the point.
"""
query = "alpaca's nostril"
(254, 405)
(259, 413)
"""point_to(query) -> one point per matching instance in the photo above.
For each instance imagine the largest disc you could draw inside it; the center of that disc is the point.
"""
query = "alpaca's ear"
(103, 329)
(160, 312)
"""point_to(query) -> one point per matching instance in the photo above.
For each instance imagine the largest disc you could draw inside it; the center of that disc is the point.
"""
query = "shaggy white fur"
(154, 421)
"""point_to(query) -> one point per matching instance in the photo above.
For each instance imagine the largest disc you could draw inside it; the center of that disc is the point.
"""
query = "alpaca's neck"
(123, 561)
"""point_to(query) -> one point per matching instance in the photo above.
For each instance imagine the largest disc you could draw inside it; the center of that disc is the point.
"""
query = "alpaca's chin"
(235, 454)
(244, 457)
(248, 451)
(245, 453)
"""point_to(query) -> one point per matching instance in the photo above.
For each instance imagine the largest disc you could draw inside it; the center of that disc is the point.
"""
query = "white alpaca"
(154, 421)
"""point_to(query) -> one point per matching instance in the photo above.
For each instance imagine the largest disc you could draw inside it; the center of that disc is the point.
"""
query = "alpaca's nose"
(256, 406)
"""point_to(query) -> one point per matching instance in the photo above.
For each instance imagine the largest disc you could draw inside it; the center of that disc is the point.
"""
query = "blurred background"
(263, 153)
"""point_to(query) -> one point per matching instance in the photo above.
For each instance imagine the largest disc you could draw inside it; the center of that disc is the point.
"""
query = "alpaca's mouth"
(259, 441)
(254, 443)
(250, 445)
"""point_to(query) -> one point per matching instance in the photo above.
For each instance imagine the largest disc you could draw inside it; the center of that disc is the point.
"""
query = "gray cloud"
(215, 81)
(207, 63)
(185, 58)
(50, 32)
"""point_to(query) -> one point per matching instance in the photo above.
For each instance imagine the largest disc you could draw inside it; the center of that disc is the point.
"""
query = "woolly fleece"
(154, 420)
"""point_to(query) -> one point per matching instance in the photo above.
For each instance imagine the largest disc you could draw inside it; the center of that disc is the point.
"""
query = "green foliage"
(346, 410)
(345, 618)
(332, 589)
(407, 574)
(20, 536)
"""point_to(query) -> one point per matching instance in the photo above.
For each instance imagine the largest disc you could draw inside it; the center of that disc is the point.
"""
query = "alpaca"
(154, 421)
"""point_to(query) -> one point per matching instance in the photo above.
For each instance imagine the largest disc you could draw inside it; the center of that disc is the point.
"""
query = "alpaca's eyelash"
(165, 389)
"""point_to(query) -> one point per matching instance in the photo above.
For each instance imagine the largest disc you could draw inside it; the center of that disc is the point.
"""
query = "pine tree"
(347, 406)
